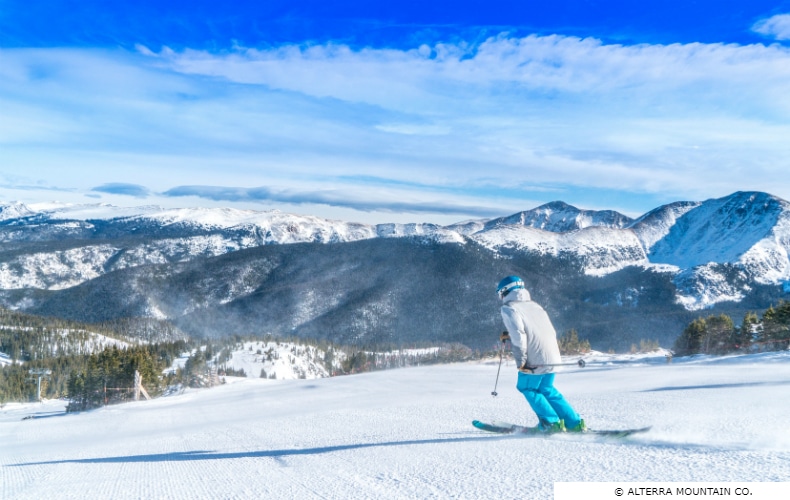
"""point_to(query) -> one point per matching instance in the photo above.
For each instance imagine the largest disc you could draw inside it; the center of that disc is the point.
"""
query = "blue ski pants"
(546, 401)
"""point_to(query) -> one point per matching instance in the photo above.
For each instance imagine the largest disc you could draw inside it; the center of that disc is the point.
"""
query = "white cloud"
(461, 123)
(504, 65)
(777, 27)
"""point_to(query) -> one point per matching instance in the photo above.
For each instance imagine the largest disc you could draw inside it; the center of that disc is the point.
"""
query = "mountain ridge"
(205, 266)
(749, 229)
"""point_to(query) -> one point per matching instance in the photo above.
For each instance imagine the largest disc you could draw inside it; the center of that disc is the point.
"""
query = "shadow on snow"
(211, 455)
(717, 386)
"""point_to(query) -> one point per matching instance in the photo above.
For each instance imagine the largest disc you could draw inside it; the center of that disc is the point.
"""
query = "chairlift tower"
(39, 374)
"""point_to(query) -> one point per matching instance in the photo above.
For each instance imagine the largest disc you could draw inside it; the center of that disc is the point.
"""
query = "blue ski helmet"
(508, 284)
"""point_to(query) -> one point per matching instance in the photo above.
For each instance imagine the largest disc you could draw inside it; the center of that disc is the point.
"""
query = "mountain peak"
(720, 230)
(558, 205)
(14, 210)
(560, 217)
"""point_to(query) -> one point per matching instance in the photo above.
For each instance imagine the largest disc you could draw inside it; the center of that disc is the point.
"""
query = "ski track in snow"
(406, 434)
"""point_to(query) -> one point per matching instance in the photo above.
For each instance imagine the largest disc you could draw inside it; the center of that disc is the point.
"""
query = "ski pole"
(581, 364)
(494, 393)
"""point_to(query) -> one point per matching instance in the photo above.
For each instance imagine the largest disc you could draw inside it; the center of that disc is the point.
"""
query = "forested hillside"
(57, 348)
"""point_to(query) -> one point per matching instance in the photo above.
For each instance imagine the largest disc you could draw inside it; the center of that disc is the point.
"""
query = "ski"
(506, 428)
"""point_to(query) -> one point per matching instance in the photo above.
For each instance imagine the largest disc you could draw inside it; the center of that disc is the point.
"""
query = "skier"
(534, 343)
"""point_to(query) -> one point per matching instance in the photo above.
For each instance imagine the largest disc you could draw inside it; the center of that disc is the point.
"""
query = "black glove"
(504, 336)
(526, 369)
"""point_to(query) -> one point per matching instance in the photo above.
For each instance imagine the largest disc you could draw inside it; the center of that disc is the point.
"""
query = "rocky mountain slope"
(221, 271)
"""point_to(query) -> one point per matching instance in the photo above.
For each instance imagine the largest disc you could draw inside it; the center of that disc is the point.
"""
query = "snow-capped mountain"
(720, 247)
(559, 217)
(656, 224)
(600, 249)
(733, 229)
(176, 263)
(14, 211)
(705, 244)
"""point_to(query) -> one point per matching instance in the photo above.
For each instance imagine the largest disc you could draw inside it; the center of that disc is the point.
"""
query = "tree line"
(109, 376)
(27, 337)
(67, 350)
(91, 380)
(91, 375)
(720, 335)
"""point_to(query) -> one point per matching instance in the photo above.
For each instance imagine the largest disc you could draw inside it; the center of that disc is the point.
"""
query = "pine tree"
(690, 341)
(776, 327)
(718, 334)
(570, 344)
(745, 335)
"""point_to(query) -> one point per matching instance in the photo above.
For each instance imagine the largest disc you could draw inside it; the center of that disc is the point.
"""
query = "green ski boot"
(552, 427)
(580, 427)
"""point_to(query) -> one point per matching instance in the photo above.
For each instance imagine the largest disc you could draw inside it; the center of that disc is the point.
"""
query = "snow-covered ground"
(406, 434)
(287, 360)
(82, 342)
(278, 360)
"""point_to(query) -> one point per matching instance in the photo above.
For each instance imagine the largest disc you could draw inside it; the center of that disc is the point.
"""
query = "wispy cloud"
(553, 110)
(777, 27)
(447, 128)
(336, 198)
(134, 190)
(504, 66)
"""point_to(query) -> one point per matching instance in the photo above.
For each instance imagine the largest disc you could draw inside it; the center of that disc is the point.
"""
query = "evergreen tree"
(690, 341)
(718, 335)
(712, 335)
(745, 335)
(356, 362)
(776, 327)
(109, 377)
(569, 343)
(14, 384)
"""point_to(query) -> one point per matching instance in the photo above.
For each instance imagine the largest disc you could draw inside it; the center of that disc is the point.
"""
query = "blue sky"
(397, 111)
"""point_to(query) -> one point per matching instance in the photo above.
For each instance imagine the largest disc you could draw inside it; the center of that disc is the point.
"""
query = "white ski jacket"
(532, 335)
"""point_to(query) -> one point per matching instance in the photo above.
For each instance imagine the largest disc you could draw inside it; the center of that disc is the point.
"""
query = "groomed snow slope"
(406, 434)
